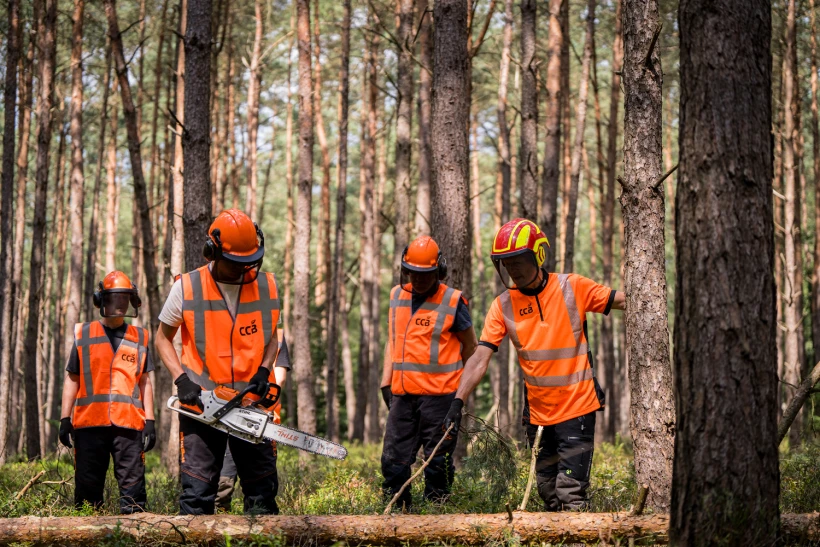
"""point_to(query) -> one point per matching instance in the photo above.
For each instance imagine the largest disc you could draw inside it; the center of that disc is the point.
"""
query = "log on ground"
(475, 529)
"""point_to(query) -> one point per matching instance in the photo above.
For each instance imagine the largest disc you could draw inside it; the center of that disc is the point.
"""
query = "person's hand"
(66, 432)
(259, 382)
(149, 436)
(387, 395)
(188, 391)
(453, 417)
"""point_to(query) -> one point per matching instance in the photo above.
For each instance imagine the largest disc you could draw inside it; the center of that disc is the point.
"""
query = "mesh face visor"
(418, 282)
(230, 272)
(119, 303)
(517, 270)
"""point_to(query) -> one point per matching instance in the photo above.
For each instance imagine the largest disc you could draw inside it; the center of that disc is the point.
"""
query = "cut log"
(476, 529)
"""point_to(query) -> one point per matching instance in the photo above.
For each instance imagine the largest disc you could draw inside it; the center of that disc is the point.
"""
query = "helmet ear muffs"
(96, 298)
(442, 267)
(136, 301)
(212, 249)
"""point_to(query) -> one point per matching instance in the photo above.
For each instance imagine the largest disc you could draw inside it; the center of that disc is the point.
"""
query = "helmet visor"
(517, 271)
(235, 273)
(418, 282)
(118, 303)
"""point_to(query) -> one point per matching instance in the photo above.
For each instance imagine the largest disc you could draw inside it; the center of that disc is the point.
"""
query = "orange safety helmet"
(114, 283)
(234, 236)
(423, 255)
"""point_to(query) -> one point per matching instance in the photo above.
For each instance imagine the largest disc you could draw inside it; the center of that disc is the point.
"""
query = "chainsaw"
(241, 414)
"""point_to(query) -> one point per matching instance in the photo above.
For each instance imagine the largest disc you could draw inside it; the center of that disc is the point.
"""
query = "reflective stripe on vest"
(109, 391)
(201, 308)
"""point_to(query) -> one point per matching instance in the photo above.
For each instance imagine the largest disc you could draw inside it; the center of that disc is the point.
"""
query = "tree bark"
(548, 221)
(254, 86)
(303, 364)
(425, 37)
(580, 123)
(196, 137)
(450, 145)
(323, 235)
(112, 194)
(725, 370)
(178, 186)
(647, 334)
(47, 38)
(528, 148)
(337, 273)
(287, 289)
(815, 144)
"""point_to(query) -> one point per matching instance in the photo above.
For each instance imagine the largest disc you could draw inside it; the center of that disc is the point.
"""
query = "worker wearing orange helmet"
(430, 337)
(108, 402)
(227, 311)
(544, 314)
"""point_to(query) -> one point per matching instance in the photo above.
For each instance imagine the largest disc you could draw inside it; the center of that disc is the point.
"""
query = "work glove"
(387, 395)
(259, 382)
(453, 417)
(66, 432)
(188, 391)
(149, 436)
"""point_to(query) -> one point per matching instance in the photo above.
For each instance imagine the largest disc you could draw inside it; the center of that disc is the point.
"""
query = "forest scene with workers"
(409, 272)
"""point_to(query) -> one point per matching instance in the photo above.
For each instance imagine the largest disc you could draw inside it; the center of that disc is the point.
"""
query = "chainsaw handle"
(267, 401)
(233, 403)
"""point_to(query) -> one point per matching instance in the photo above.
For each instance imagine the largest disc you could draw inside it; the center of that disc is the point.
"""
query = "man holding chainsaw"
(431, 336)
(227, 311)
(544, 314)
(108, 404)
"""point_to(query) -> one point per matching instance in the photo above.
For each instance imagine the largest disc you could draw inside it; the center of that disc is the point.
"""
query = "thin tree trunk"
(475, 211)
(647, 335)
(303, 363)
(425, 38)
(338, 274)
(667, 166)
(323, 235)
(153, 189)
(254, 85)
(112, 193)
(528, 150)
(347, 363)
(815, 143)
(725, 206)
(291, 399)
(552, 141)
(580, 123)
(178, 243)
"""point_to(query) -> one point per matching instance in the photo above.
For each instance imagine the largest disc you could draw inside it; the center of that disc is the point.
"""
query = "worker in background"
(544, 314)
(227, 311)
(229, 473)
(108, 402)
(430, 337)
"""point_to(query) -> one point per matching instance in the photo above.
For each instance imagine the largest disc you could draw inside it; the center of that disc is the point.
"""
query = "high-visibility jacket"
(426, 355)
(218, 349)
(109, 391)
(548, 333)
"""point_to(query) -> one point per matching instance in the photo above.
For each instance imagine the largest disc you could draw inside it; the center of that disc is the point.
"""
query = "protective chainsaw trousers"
(93, 449)
(202, 452)
(227, 483)
(414, 421)
(564, 461)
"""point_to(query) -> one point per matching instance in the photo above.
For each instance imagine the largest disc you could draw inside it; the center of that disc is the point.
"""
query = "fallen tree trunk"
(379, 530)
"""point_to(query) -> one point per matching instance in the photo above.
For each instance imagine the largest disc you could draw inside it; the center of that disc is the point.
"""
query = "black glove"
(66, 431)
(387, 395)
(149, 436)
(453, 417)
(260, 381)
(188, 391)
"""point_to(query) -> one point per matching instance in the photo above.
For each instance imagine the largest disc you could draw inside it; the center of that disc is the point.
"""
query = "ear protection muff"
(213, 246)
(136, 301)
(96, 298)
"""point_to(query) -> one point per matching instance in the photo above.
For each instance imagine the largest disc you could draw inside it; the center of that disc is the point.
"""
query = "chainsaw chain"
(307, 449)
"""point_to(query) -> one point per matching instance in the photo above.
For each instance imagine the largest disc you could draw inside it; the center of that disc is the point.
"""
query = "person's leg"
(546, 465)
(401, 439)
(439, 475)
(92, 452)
(575, 446)
(227, 482)
(202, 449)
(129, 468)
(256, 464)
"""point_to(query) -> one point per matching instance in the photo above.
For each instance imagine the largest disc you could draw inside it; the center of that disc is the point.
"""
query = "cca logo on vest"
(524, 311)
(422, 322)
(250, 329)
(129, 357)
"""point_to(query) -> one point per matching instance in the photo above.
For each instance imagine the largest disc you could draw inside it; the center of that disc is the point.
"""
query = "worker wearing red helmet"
(108, 403)
(227, 311)
(430, 337)
(544, 314)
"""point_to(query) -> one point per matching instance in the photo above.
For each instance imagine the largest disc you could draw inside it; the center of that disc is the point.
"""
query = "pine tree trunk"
(337, 279)
(425, 38)
(287, 289)
(303, 364)
(254, 85)
(647, 334)
(725, 378)
(178, 190)
(552, 142)
(566, 131)
(580, 123)
(323, 234)
(528, 150)
(347, 363)
(196, 138)
(450, 145)
(153, 186)
(475, 219)
(111, 220)
(47, 37)
(815, 144)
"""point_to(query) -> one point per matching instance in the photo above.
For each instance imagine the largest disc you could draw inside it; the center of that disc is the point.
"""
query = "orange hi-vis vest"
(218, 349)
(558, 375)
(426, 355)
(109, 380)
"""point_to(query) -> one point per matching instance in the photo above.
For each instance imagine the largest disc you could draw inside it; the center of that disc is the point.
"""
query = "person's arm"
(271, 351)
(281, 375)
(387, 367)
(164, 342)
(468, 343)
(474, 371)
(70, 389)
(619, 302)
(147, 396)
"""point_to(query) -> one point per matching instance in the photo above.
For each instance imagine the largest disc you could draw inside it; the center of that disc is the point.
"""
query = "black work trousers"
(93, 449)
(202, 451)
(564, 462)
(415, 421)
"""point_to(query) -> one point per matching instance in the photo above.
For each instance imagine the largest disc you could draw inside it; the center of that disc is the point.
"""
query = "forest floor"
(484, 483)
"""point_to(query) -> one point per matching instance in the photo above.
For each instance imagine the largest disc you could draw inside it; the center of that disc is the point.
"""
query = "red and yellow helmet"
(234, 236)
(520, 236)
